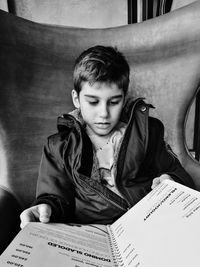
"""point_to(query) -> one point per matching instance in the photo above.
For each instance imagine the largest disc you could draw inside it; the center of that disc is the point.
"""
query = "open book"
(162, 230)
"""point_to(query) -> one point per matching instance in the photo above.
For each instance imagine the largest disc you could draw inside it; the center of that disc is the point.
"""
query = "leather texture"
(36, 82)
(76, 13)
(9, 218)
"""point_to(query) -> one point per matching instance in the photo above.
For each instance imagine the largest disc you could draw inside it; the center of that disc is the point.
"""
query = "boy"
(107, 154)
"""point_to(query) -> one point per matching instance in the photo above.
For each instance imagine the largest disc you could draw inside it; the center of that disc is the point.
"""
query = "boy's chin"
(102, 132)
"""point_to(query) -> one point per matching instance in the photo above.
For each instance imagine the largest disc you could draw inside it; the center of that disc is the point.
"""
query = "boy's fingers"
(26, 217)
(165, 176)
(155, 182)
(45, 213)
(41, 212)
(22, 224)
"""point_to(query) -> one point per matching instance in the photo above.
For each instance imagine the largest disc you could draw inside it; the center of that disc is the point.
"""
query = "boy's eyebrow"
(96, 97)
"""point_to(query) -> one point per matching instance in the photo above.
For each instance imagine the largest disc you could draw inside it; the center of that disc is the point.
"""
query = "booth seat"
(36, 64)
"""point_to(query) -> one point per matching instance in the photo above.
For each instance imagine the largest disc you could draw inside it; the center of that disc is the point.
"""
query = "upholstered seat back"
(36, 82)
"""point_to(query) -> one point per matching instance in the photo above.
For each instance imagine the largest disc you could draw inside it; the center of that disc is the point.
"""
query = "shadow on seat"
(36, 82)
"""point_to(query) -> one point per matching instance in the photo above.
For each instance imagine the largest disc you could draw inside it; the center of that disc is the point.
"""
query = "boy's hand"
(41, 212)
(158, 180)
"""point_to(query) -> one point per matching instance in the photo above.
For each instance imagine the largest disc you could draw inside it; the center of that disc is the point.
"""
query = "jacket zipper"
(128, 203)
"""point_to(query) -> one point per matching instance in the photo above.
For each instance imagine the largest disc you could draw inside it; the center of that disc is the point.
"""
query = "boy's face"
(100, 105)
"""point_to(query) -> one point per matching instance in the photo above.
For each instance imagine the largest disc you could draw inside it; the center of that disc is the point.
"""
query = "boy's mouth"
(102, 125)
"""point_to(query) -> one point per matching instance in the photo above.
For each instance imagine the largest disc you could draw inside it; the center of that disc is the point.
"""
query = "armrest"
(9, 217)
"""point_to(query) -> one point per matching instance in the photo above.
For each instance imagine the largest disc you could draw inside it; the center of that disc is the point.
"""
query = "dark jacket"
(65, 173)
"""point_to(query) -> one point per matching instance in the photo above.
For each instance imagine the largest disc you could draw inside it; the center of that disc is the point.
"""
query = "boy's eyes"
(112, 103)
(93, 103)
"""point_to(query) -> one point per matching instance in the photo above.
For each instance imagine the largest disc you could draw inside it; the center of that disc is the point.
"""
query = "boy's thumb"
(45, 213)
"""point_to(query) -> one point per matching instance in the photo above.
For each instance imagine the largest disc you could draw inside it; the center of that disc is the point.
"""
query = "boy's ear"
(75, 98)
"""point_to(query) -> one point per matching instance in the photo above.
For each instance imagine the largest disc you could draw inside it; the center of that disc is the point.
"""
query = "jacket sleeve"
(165, 160)
(54, 185)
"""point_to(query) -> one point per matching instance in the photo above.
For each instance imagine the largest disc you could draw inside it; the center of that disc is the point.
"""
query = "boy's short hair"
(101, 64)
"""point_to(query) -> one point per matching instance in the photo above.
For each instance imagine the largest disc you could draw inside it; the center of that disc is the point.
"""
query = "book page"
(162, 229)
(59, 245)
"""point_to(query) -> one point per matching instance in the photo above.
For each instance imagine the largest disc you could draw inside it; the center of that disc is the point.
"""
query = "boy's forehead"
(101, 88)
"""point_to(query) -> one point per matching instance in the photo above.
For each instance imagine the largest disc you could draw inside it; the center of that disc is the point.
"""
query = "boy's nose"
(103, 111)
